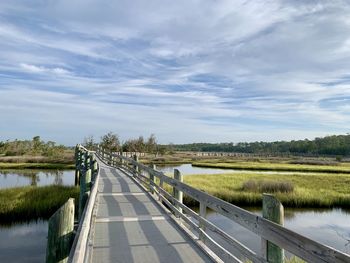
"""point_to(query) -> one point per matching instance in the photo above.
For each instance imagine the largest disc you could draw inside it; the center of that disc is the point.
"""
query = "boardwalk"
(131, 215)
(131, 227)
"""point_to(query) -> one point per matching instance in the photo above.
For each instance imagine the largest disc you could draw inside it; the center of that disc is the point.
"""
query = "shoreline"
(44, 166)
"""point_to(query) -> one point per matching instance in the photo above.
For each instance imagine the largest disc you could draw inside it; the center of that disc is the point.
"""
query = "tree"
(89, 142)
(37, 144)
(110, 141)
(151, 144)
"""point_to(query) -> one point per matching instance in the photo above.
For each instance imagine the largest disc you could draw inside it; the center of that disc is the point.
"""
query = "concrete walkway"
(131, 227)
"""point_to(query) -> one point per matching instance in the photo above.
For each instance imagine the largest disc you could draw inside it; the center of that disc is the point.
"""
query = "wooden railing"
(68, 231)
(207, 232)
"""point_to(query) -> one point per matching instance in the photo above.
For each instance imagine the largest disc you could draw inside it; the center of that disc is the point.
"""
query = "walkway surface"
(131, 227)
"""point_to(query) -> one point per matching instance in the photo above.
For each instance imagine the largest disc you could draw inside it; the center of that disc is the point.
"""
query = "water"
(17, 178)
(187, 169)
(23, 242)
(26, 242)
(327, 226)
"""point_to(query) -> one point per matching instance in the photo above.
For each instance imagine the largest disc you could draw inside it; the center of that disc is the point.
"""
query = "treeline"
(111, 142)
(34, 147)
(329, 145)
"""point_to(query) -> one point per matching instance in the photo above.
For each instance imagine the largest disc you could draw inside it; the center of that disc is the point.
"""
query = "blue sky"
(187, 70)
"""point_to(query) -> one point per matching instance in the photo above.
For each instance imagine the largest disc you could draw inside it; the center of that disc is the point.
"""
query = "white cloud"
(41, 69)
(217, 70)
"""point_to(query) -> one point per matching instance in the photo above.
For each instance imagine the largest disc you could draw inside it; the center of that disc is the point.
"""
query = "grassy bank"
(310, 190)
(27, 203)
(57, 166)
(285, 167)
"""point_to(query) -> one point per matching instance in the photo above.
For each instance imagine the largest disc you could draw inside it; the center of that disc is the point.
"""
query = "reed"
(28, 203)
(309, 190)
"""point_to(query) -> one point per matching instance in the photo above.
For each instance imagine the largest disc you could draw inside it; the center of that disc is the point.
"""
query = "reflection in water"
(23, 242)
(187, 169)
(17, 178)
(327, 226)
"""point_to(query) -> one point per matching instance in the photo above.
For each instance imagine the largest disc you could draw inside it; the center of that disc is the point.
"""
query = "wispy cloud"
(184, 70)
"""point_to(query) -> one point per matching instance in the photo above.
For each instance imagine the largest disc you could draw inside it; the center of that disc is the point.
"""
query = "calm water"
(23, 242)
(330, 227)
(17, 178)
(26, 242)
(187, 169)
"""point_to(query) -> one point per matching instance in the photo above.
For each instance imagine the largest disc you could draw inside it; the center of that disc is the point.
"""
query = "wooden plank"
(60, 233)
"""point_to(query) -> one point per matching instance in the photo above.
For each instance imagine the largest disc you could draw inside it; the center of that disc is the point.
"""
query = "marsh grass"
(286, 167)
(263, 186)
(28, 203)
(309, 190)
(57, 166)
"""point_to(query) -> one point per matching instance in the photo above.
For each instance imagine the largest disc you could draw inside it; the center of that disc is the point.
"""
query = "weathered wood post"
(136, 169)
(202, 213)
(110, 159)
(93, 166)
(60, 233)
(85, 184)
(151, 178)
(178, 195)
(77, 164)
(102, 153)
(273, 211)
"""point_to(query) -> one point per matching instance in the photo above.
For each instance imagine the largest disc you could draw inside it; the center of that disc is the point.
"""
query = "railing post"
(178, 195)
(77, 165)
(136, 169)
(203, 214)
(60, 233)
(151, 178)
(103, 153)
(160, 186)
(94, 167)
(273, 211)
(110, 159)
(85, 184)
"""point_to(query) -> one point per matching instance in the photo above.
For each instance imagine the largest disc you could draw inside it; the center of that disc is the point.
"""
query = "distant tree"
(110, 141)
(140, 144)
(37, 144)
(162, 149)
(89, 142)
(151, 144)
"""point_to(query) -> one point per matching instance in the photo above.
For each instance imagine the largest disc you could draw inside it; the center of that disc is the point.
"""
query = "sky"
(185, 70)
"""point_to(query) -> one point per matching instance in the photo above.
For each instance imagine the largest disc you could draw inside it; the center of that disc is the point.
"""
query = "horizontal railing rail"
(299, 245)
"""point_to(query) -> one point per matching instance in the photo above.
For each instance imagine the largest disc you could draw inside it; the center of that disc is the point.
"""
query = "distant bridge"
(130, 212)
